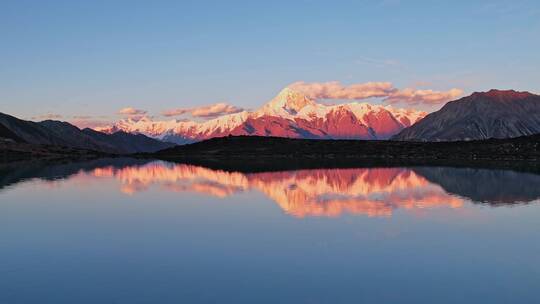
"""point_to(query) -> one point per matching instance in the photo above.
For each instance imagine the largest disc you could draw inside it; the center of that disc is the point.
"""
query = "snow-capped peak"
(287, 102)
(290, 114)
(223, 123)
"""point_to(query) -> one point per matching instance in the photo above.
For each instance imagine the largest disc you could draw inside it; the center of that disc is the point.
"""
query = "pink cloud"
(385, 90)
(88, 123)
(129, 111)
(427, 97)
(174, 112)
(209, 111)
(215, 110)
(335, 90)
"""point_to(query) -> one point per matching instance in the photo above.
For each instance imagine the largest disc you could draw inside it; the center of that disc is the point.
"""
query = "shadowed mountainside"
(63, 134)
(11, 151)
(8, 136)
(493, 114)
(273, 150)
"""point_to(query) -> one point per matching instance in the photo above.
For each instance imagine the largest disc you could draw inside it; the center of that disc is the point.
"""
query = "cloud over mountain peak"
(385, 90)
(292, 113)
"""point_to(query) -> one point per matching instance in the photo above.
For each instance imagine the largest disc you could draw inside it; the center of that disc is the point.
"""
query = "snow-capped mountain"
(289, 114)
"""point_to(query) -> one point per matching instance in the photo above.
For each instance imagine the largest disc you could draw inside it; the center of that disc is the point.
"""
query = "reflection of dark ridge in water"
(287, 164)
(495, 187)
(18, 172)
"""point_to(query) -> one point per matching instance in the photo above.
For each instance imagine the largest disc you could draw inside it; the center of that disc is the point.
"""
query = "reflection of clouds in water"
(321, 192)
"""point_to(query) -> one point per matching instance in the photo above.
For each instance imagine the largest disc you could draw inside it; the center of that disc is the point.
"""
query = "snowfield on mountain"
(289, 114)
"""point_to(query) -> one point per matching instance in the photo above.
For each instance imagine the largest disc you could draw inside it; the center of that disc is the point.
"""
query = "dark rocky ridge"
(62, 134)
(7, 135)
(11, 151)
(493, 114)
(274, 151)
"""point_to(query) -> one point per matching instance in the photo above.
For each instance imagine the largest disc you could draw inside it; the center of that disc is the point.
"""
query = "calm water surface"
(131, 231)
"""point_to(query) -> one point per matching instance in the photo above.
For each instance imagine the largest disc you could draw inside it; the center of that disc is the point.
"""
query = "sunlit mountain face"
(303, 193)
(290, 114)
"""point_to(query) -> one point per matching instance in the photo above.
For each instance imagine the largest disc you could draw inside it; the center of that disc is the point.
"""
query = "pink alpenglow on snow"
(290, 114)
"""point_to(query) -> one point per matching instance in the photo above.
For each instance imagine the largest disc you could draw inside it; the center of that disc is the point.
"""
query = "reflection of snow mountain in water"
(321, 192)
(301, 193)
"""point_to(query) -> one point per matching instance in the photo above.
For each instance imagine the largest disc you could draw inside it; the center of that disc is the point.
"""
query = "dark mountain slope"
(6, 134)
(276, 149)
(132, 143)
(30, 132)
(74, 137)
(63, 134)
(493, 114)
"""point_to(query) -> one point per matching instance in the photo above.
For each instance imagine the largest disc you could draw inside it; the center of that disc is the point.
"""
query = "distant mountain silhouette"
(493, 114)
(58, 133)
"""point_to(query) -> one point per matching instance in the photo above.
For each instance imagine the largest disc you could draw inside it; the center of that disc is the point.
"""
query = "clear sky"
(95, 57)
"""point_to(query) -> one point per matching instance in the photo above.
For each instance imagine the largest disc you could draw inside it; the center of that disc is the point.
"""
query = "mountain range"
(285, 153)
(494, 114)
(484, 115)
(290, 114)
(58, 133)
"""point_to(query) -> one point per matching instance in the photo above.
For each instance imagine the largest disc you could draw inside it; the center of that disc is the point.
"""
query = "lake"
(141, 231)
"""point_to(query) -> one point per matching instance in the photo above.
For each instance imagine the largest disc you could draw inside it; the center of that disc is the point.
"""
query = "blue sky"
(95, 57)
